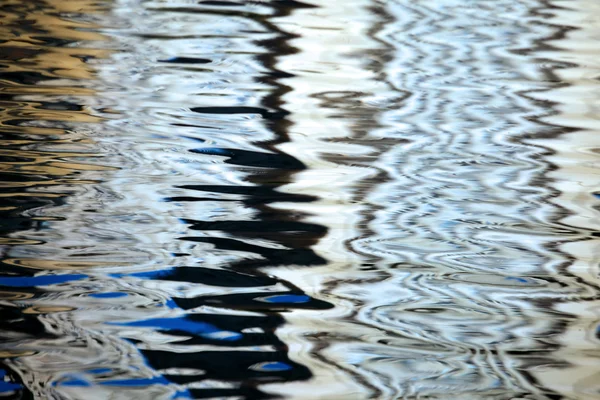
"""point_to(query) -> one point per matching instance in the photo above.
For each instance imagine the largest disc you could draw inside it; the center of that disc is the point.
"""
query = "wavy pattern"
(463, 286)
(143, 284)
(360, 199)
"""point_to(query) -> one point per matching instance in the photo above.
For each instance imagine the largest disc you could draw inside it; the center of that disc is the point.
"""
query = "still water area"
(281, 199)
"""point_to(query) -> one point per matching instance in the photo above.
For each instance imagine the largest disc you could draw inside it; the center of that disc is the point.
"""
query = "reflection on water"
(359, 199)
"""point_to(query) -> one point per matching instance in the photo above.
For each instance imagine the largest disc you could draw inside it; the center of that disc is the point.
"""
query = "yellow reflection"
(17, 241)
(16, 353)
(57, 264)
(6, 295)
(47, 309)
(45, 76)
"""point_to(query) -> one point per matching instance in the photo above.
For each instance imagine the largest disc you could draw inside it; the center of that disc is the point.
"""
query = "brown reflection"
(35, 34)
(15, 353)
(47, 309)
(58, 265)
(43, 74)
(44, 71)
(45, 155)
(14, 296)
(16, 241)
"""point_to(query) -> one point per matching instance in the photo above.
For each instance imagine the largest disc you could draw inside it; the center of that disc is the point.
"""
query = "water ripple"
(259, 199)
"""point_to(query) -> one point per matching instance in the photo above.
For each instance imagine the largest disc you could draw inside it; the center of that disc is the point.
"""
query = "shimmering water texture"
(353, 199)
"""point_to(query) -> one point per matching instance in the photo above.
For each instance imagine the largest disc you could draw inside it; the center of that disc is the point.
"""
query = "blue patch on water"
(181, 324)
(287, 298)
(108, 295)
(151, 274)
(273, 366)
(159, 380)
(514, 278)
(171, 304)
(99, 371)
(215, 151)
(75, 382)
(597, 195)
(42, 280)
(147, 274)
(183, 394)
(9, 387)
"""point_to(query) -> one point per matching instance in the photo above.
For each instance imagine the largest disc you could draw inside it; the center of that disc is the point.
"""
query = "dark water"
(281, 199)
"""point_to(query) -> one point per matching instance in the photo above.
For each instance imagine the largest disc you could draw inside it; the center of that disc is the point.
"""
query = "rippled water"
(303, 200)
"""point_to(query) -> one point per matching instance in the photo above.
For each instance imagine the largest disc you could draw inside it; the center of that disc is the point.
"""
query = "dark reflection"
(252, 195)
(268, 169)
(294, 256)
(241, 110)
(254, 158)
(186, 60)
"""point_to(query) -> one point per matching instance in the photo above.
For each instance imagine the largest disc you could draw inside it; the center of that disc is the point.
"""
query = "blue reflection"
(75, 382)
(181, 324)
(287, 298)
(158, 380)
(147, 274)
(100, 371)
(272, 366)
(171, 304)
(183, 394)
(7, 386)
(43, 280)
(108, 295)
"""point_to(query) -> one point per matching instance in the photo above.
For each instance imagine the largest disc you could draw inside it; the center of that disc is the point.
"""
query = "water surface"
(300, 200)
